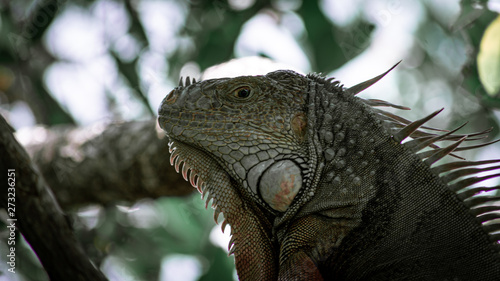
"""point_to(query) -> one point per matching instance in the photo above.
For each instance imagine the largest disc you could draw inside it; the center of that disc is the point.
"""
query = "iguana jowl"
(317, 184)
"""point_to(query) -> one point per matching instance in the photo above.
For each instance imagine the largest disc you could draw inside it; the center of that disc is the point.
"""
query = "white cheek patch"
(280, 183)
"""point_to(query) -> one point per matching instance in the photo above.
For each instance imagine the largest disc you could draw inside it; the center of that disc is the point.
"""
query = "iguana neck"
(343, 138)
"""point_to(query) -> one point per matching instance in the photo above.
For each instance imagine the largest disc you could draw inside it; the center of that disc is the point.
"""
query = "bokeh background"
(78, 62)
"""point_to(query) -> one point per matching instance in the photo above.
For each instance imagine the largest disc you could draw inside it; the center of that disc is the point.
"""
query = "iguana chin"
(317, 184)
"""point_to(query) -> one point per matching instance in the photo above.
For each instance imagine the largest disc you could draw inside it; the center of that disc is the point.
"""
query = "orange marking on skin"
(285, 197)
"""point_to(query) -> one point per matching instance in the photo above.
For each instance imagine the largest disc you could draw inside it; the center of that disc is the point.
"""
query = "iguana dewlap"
(317, 184)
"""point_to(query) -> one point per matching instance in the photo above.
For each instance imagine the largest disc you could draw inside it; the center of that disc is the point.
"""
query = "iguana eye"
(242, 92)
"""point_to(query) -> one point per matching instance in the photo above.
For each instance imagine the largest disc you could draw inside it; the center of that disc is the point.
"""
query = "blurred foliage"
(141, 240)
(325, 40)
(214, 28)
(23, 54)
(208, 37)
(488, 59)
(476, 23)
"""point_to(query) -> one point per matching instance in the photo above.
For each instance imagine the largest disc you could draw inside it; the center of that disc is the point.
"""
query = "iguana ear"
(299, 124)
(356, 89)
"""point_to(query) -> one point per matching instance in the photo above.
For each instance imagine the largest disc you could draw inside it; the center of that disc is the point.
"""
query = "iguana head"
(254, 127)
(258, 129)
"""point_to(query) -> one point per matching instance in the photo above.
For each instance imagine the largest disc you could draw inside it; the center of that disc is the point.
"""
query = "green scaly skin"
(317, 185)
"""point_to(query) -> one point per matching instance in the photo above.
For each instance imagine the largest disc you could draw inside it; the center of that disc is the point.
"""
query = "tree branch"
(34, 211)
(105, 163)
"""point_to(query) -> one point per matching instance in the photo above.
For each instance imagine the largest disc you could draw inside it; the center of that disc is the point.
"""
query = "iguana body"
(317, 185)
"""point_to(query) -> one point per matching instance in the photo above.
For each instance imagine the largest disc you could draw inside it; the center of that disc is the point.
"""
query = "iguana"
(317, 183)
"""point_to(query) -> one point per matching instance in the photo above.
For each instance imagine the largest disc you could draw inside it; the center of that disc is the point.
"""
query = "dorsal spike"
(424, 135)
(461, 164)
(356, 89)
(489, 217)
(377, 102)
(480, 200)
(477, 146)
(479, 135)
(477, 211)
(410, 128)
(470, 137)
(402, 120)
(426, 154)
(443, 152)
(418, 133)
(181, 82)
(470, 181)
(491, 227)
(469, 192)
(188, 81)
(429, 153)
(418, 144)
(494, 237)
(194, 81)
(468, 171)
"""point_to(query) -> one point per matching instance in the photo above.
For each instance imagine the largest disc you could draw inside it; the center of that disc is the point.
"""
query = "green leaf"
(488, 59)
